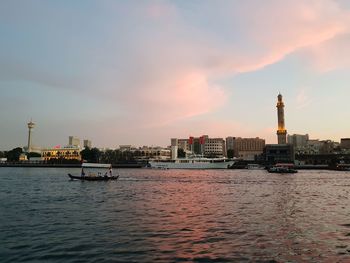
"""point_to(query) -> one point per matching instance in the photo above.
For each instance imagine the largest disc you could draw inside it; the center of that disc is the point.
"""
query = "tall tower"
(30, 127)
(281, 131)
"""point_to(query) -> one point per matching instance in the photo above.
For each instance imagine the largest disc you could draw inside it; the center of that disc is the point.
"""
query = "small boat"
(282, 169)
(253, 166)
(95, 172)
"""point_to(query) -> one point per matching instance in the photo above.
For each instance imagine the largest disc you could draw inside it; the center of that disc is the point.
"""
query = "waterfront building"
(345, 143)
(279, 153)
(23, 157)
(65, 153)
(245, 148)
(74, 141)
(281, 131)
(203, 145)
(298, 141)
(213, 146)
(87, 144)
(174, 147)
(153, 152)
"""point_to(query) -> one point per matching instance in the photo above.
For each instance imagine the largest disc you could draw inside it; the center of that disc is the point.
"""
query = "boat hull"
(190, 165)
(93, 178)
(289, 171)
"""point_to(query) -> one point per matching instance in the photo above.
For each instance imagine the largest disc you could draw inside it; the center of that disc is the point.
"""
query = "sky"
(142, 72)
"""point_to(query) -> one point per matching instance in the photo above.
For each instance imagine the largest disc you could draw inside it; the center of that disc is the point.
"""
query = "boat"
(95, 172)
(282, 168)
(192, 163)
(253, 166)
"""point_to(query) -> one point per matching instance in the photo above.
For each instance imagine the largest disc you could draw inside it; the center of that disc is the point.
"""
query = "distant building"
(245, 148)
(174, 147)
(279, 153)
(213, 146)
(203, 145)
(298, 141)
(345, 143)
(327, 147)
(87, 144)
(74, 141)
(66, 153)
(313, 147)
(156, 152)
(23, 157)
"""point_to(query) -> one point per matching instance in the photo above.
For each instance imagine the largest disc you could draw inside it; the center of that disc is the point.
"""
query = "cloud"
(303, 99)
(159, 63)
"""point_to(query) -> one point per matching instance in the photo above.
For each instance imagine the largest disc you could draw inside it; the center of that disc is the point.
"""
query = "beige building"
(74, 141)
(245, 148)
(146, 152)
(67, 153)
(214, 146)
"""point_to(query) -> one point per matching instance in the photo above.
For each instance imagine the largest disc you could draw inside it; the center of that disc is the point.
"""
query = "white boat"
(192, 163)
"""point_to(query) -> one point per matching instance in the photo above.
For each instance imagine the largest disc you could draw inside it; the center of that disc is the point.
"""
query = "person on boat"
(82, 172)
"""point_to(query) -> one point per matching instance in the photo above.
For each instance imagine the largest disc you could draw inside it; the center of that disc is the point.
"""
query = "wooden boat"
(95, 172)
(93, 178)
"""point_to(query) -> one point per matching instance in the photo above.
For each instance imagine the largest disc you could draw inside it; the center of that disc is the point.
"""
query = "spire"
(281, 130)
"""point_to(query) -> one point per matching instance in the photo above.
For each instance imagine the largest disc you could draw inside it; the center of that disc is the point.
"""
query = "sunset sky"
(141, 72)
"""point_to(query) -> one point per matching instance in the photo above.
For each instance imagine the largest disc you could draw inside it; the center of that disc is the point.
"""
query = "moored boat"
(192, 163)
(95, 172)
(282, 169)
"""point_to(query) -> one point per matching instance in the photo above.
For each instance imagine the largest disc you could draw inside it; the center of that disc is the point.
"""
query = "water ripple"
(174, 216)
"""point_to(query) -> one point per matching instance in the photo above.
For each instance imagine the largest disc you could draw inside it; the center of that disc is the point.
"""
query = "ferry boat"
(95, 172)
(192, 163)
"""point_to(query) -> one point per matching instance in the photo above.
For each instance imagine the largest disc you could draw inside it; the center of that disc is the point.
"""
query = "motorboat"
(282, 168)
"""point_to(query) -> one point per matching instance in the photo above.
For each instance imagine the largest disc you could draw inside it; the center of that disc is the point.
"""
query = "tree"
(13, 155)
(91, 155)
(230, 153)
(181, 153)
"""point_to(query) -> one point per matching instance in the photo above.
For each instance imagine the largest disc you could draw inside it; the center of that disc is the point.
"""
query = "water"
(174, 216)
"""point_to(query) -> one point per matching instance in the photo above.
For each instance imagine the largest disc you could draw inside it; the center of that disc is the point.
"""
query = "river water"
(174, 216)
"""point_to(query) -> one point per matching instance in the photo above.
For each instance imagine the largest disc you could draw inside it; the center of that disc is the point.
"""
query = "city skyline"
(143, 72)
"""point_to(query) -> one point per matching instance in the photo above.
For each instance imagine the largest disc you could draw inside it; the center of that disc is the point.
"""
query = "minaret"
(281, 131)
(30, 127)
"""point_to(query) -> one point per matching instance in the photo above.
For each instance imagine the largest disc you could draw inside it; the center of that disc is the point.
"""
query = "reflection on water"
(175, 216)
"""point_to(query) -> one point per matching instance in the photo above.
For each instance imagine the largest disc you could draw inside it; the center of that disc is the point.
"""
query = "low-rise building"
(66, 153)
(298, 141)
(345, 143)
(245, 148)
(203, 145)
(279, 153)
